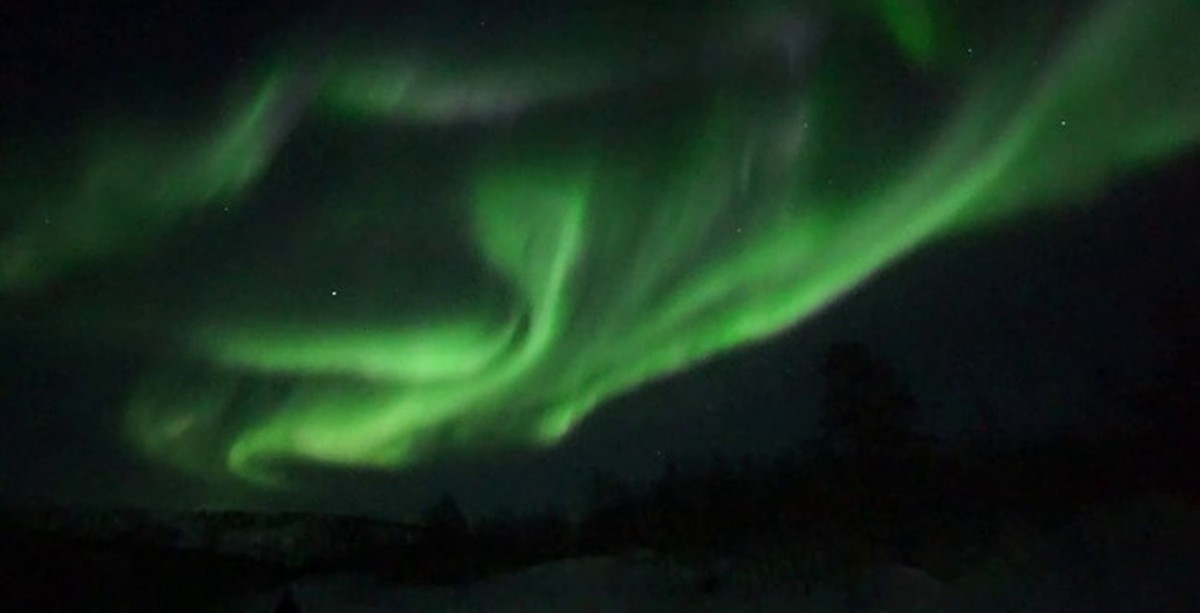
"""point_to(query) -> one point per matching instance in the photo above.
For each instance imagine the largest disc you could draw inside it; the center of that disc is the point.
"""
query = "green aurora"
(369, 255)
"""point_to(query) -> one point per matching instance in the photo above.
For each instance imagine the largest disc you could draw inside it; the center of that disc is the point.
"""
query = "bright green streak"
(602, 253)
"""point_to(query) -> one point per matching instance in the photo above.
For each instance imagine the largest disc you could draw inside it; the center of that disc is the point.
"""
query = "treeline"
(877, 490)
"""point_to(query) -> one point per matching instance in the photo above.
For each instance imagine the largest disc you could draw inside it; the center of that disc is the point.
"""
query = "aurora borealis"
(375, 249)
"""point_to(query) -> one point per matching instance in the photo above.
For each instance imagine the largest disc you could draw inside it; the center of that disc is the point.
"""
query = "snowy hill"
(1129, 557)
(292, 540)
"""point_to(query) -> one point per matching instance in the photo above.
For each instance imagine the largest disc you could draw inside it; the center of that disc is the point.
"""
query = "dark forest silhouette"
(877, 491)
(880, 490)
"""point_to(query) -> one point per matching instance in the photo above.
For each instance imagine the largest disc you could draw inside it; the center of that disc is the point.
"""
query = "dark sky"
(239, 281)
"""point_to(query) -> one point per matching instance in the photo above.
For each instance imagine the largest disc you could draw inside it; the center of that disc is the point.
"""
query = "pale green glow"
(135, 184)
(912, 24)
(588, 245)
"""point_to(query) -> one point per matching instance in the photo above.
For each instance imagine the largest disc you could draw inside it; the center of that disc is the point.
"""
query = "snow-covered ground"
(1128, 561)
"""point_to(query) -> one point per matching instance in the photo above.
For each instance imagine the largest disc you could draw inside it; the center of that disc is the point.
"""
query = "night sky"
(348, 257)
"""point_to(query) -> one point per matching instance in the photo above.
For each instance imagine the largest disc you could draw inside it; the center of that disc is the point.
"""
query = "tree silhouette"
(869, 418)
(445, 519)
(865, 408)
(610, 520)
(1167, 406)
(287, 602)
(445, 543)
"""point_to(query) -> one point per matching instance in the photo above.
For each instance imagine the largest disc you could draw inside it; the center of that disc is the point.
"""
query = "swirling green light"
(601, 233)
